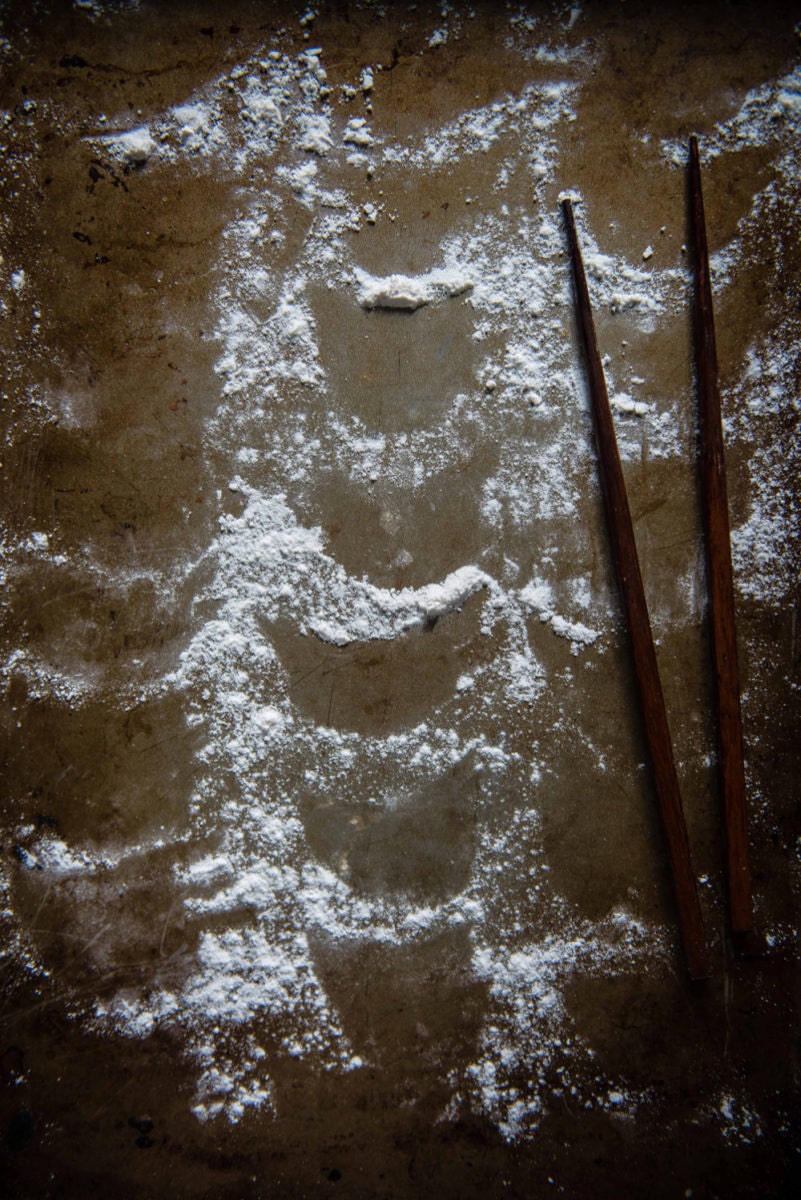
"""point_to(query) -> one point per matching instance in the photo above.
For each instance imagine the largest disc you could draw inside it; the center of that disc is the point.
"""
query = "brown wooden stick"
(624, 553)
(719, 571)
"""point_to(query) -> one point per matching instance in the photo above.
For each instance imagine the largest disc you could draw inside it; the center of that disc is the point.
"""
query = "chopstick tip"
(749, 943)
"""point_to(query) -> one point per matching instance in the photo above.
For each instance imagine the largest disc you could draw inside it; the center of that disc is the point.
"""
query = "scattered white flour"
(192, 120)
(622, 402)
(739, 1124)
(134, 147)
(357, 134)
(317, 134)
(270, 911)
(401, 291)
(537, 597)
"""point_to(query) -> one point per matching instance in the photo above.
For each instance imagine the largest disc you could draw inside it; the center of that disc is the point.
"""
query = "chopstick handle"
(624, 554)
(719, 570)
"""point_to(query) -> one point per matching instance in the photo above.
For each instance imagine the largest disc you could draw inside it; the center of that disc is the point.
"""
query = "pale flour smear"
(272, 911)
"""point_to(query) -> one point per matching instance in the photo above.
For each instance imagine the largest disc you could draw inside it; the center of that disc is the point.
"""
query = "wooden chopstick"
(719, 570)
(624, 553)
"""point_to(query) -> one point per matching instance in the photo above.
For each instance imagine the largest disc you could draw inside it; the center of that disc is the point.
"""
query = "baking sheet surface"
(330, 852)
